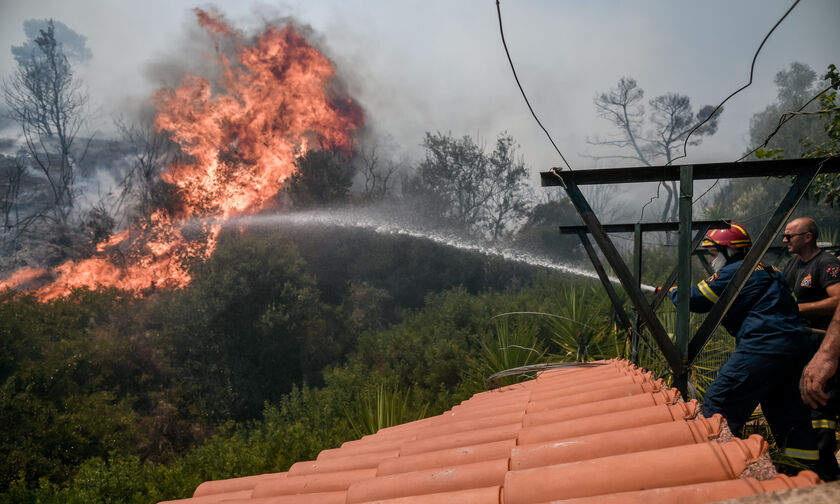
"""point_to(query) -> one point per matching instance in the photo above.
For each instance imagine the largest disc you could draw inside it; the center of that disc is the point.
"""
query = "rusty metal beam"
(646, 227)
(666, 346)
(709, 171)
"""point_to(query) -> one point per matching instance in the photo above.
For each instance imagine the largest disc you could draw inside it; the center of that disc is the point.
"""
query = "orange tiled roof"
(607, 432)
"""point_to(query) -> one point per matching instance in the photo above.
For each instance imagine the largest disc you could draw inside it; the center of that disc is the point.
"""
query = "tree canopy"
(464, 187)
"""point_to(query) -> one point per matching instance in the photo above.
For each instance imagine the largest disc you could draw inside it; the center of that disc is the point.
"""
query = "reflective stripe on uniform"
(707, 292)
(802, 454)
(823, 423)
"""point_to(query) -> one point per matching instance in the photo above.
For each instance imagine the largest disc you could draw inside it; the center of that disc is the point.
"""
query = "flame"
(275, 99)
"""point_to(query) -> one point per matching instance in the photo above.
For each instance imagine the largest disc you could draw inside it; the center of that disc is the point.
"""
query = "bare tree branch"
(653, 134)
(48, 103)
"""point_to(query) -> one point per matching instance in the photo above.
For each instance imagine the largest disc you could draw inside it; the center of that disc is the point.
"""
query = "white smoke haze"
(435, 65)
(418, 67)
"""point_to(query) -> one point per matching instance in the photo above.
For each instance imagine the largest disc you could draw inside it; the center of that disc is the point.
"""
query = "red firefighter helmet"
(736, 237)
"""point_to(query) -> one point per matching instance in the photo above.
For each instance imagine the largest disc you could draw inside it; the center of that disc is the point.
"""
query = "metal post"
(637, 272)
(684, 275)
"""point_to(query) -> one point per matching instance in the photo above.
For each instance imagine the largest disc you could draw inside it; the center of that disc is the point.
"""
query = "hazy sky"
(432, 65)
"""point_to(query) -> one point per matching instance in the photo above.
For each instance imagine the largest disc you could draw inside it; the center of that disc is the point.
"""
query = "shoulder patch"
(806, 282)
(833, 271)
(713, 277)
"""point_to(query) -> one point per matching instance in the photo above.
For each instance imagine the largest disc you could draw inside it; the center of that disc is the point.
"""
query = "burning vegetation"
(275, 97)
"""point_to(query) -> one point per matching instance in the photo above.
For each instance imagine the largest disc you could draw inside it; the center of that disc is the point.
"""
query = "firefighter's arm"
(825, 306)
(822, 366)
(697, 300)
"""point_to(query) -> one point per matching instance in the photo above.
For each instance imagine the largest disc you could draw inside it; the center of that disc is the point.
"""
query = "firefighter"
(771, 347)
(815, 277)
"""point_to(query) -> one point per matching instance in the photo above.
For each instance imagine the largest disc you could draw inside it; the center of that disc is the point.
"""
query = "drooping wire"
(513, 69)
(785, 117)
(745, 86)
(642, 214)
(704, 121)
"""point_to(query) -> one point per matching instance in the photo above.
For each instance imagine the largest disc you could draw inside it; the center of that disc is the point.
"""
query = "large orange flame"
(241, 136)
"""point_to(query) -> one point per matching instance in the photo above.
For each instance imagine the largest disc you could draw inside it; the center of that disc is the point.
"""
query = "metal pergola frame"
(638, 229)
(684, 350)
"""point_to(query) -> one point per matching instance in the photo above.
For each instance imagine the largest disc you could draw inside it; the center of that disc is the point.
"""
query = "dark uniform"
(809, 280)
(771, 351)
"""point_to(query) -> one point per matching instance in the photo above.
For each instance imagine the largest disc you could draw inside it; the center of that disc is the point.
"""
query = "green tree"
(827, 186)
(323, 177)
(256, 326)
(461, 186)
(794, 87)
(56, 407)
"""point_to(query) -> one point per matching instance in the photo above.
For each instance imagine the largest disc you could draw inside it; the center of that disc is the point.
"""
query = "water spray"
(355, 219)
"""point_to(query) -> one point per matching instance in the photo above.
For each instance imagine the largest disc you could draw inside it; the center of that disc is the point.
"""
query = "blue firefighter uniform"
(771, 350)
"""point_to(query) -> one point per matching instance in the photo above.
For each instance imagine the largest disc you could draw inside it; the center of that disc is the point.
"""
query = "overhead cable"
(784, 118)
(704, 121)
(787, 116)
(745, 86)
(513, 69)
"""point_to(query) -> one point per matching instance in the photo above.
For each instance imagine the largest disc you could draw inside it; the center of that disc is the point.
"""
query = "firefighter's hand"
(814, 377)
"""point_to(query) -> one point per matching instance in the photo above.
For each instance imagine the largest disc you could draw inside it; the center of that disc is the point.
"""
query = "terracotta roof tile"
(213, 498)
(364, 461)
(310, 498)
(648, 437)
(428, 481)
(311, 483)
(489, 495)
(703, 492)
(447, 457)
(234, 484)
(679, 465)
(589, 433)
(600, 407)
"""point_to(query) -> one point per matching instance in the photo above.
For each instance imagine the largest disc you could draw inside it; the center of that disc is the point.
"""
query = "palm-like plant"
(830, 235)
(509, 346)
(582, 330)
(380, 408)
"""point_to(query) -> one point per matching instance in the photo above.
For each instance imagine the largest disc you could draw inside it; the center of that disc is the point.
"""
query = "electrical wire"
(745, 86)
(787, 116)
(513, 69)
(642, 214)
(783, 119)
(704, 121)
